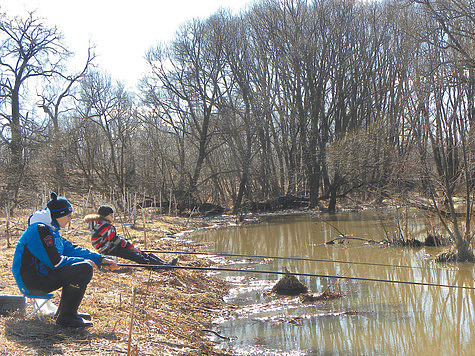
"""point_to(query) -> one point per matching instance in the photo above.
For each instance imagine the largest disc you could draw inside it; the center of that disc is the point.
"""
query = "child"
(105, 240)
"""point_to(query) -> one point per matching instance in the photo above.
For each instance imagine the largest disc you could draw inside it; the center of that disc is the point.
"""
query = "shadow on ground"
(46, 338)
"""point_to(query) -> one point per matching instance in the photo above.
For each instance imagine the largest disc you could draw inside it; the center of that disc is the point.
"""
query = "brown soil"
(172, 313)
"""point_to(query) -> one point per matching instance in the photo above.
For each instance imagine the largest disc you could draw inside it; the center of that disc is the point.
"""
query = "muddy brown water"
(372, 318)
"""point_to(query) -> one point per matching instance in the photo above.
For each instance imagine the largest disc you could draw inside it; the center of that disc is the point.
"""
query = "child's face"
(110, 217)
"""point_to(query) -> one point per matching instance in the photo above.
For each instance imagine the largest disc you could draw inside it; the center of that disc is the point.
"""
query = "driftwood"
(325, 295)
(341, 238)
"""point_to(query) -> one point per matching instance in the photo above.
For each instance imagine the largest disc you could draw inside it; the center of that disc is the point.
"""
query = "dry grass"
(173, 308)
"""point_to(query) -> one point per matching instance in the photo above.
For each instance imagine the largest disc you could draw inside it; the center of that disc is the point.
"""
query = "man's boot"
(71, 297)
(85, 316)
(158, 261)
(155, 260)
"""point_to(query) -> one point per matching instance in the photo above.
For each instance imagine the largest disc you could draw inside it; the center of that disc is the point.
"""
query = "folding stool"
(38, 301)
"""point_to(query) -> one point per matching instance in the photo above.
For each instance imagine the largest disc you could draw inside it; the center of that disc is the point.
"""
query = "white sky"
(121, 30)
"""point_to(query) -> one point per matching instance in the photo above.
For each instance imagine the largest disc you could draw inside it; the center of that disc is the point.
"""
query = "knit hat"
(59, 206)
(105, 210)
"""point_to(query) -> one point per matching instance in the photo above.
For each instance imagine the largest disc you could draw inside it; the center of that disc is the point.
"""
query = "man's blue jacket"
(41, 249)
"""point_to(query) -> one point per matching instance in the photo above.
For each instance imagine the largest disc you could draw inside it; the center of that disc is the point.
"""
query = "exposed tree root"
(455, 256)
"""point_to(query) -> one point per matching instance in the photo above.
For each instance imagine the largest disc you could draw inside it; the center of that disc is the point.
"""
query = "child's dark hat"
(105, 210)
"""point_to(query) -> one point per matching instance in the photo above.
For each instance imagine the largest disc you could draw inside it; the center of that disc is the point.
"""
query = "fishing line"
(224, 269)
(292, 258)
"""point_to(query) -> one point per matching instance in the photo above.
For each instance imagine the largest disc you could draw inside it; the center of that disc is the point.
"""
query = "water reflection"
(371, 319)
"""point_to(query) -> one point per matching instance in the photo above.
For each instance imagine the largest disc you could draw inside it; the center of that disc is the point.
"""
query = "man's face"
(64, 220)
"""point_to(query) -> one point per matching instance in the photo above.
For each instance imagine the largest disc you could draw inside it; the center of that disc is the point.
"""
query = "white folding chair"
(37, 302)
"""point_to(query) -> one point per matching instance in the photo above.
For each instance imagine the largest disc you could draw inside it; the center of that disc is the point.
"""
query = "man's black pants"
(79, 274)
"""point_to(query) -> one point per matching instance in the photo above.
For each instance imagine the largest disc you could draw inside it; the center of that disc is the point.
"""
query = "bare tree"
(29, 50)
(189, 72)
(275, 154)
(110, 109)
(52, 102)
(237, 117)
(455, 19)
(445, 103)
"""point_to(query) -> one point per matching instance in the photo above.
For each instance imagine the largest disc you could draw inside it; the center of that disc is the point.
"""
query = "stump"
(289, 285)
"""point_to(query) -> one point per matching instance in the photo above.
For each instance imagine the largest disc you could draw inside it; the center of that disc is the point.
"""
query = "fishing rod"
(225, 269)
(223, 254)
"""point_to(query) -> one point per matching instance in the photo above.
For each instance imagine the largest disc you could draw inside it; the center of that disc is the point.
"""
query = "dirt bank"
(173, 308)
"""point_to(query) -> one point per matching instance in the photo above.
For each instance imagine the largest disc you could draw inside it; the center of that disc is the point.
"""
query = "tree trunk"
(242, 190)
(16, 167)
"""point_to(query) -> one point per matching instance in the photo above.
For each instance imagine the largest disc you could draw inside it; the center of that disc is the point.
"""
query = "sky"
(121, 30)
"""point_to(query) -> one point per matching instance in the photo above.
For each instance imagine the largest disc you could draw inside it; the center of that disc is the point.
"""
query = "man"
(44, 261)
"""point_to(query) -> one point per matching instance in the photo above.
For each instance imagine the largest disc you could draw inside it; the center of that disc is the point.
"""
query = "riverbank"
(171, 313)
(173, 310)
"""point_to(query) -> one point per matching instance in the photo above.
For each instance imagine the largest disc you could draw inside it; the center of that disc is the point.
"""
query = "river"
(371, 318)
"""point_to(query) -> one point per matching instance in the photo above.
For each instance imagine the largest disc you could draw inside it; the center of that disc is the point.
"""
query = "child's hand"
(109, 264)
